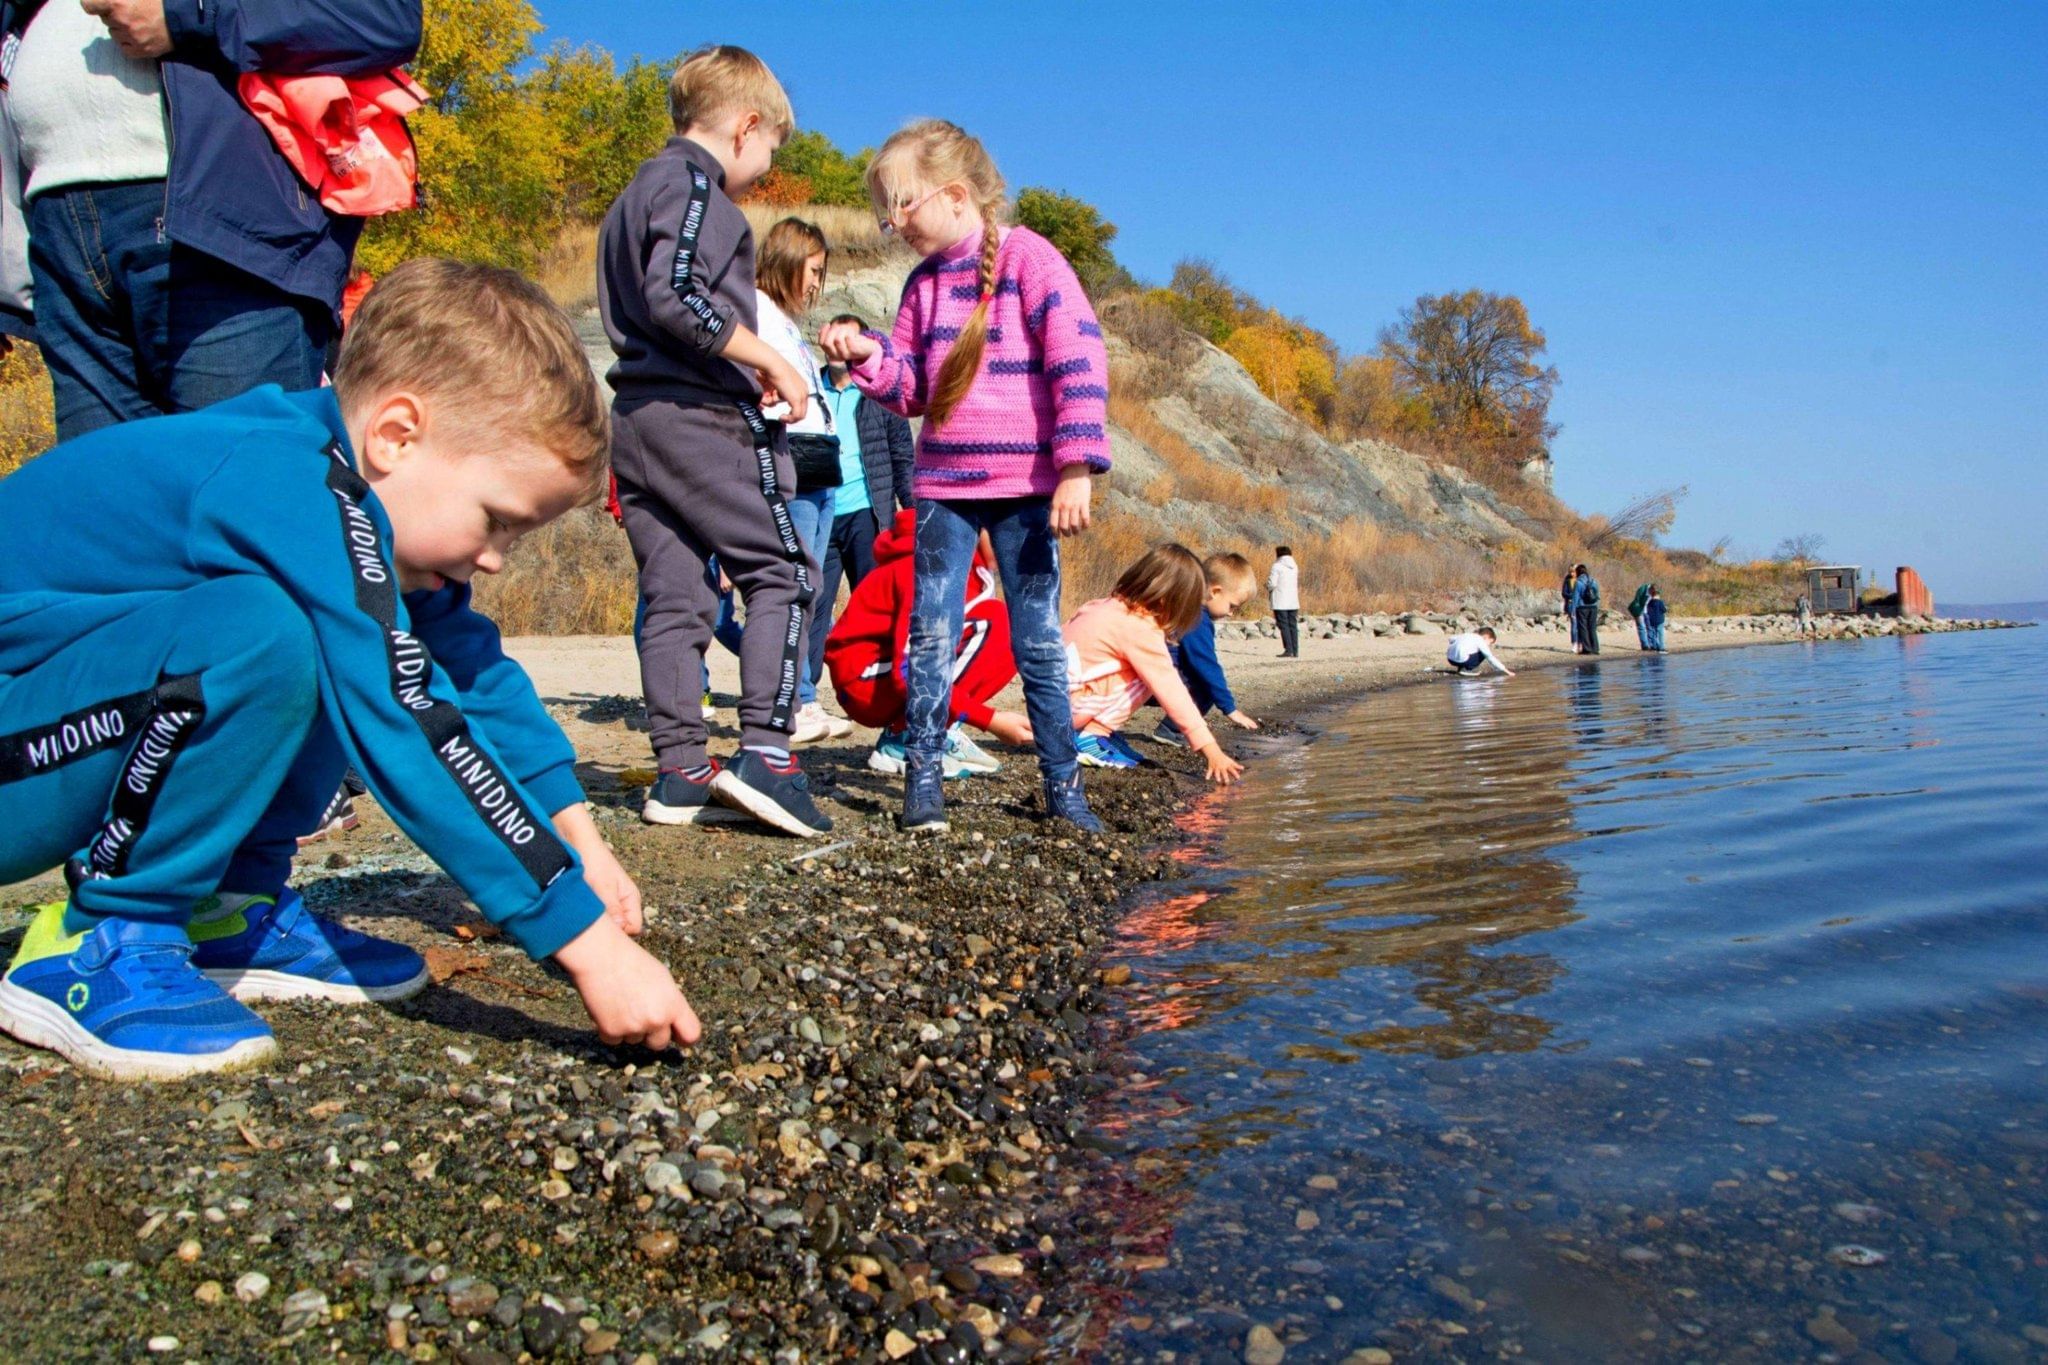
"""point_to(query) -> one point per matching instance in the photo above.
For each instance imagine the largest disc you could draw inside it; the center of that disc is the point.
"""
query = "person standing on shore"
(164, 251)
(1653, 621)
(1568, 595)
(1635, 612)
(877, 455)
(1283, 588)
(998, 348)
(789, 270)
(701, 471)
(1804, 609)
(1586, 609)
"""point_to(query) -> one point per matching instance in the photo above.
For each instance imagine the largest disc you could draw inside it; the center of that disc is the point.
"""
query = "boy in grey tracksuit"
(700, 471)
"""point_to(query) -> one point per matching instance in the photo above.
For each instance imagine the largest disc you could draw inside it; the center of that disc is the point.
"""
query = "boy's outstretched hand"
(630, 996)
(1242, 721)
(1223, 769)
(846, 343)
(618, 891)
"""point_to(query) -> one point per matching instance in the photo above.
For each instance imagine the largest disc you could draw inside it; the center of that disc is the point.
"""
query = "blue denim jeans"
(1028, 558)
(812, 513)
(133, 325)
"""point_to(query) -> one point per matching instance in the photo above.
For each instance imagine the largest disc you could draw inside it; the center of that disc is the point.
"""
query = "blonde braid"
(963, 362)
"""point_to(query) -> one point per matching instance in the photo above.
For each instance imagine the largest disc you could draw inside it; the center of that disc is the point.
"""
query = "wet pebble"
(1262, 1347)
(252, 1286)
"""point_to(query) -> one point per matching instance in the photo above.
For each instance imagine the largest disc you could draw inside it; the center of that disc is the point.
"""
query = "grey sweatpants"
(695, 481)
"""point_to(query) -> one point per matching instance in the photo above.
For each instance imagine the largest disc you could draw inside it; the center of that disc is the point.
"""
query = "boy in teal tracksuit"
(205, 618)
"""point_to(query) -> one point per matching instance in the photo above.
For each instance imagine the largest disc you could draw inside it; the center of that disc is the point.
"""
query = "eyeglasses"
(904, 212)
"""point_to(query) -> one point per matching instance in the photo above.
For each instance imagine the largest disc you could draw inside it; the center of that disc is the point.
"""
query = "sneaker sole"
(747, 801)
(254, 984)
(46, 1024)
(928, 827)
(654, 813)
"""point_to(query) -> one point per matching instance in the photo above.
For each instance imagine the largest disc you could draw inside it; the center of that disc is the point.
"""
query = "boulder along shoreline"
(876, 1152)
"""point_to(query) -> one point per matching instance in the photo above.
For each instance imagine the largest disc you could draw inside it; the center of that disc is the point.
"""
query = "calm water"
(1680, 1008)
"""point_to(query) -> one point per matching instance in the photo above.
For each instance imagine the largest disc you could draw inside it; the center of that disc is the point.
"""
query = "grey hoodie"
(675, 274)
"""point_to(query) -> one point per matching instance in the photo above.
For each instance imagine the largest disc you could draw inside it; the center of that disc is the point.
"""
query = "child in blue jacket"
(1654, 612)
(1231, 584)
(204, 619)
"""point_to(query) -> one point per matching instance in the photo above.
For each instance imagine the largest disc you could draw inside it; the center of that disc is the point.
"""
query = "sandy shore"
(872, 1153)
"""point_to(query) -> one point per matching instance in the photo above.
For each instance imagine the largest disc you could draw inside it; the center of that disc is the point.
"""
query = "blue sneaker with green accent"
(1098, 751)
(124, 1001)
(274, 948)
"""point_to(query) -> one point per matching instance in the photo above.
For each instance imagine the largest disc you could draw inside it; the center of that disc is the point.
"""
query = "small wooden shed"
(1833, 587)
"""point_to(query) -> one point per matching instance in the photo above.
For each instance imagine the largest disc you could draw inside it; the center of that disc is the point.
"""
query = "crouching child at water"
(1472, 651)
(1231, 584)
(1117, 658)
(868, 649)
(265, 593)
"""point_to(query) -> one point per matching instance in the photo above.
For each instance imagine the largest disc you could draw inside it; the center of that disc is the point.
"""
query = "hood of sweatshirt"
(899, 542)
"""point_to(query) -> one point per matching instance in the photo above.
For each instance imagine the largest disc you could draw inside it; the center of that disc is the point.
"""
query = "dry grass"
(852, 233)
(1091, 563)
(28, 424)
(1194, 477)
(568, 270)
(572, 577)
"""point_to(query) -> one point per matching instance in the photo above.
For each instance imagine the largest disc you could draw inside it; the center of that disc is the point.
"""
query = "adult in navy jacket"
(167, 262)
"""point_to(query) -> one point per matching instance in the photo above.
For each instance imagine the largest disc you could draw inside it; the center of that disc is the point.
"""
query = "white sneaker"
(889, 757)
(969, 755)
(841, 726)
(812, 725)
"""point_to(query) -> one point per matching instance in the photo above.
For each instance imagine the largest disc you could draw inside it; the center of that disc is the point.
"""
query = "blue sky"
(1793, 256)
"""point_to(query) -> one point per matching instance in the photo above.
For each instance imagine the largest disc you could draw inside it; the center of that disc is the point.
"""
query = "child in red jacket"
(865, 652)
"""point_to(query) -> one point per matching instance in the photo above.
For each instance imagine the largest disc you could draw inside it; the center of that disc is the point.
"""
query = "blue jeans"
(812, 513)
(1653, 636)
(1028, 558)
(133, 325)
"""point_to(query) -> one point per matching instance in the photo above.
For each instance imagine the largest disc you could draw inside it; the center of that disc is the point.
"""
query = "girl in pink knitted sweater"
(995, 346)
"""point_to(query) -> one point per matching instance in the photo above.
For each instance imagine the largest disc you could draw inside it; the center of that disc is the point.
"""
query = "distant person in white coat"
(1284, 591)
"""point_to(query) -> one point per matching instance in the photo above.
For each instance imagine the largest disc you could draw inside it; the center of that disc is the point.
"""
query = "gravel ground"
(874, 1153)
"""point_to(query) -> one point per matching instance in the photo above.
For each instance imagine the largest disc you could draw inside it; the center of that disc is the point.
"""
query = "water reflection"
(1614, 1012)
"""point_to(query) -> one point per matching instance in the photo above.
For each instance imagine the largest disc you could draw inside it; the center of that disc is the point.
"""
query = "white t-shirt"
(83, 112)
(1469, 646)
(779, 331)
